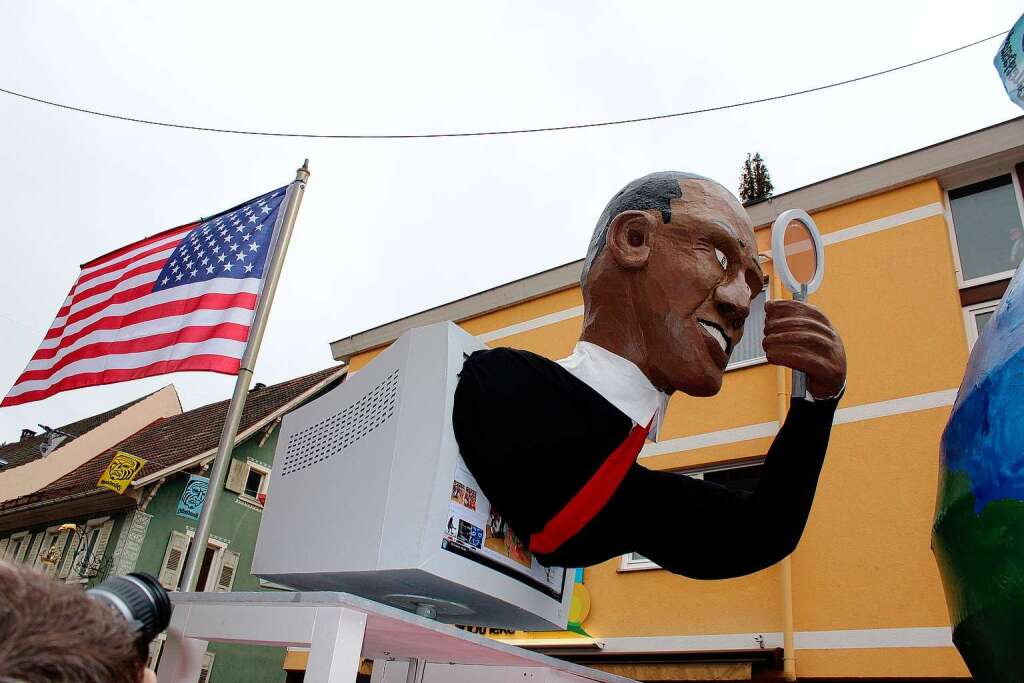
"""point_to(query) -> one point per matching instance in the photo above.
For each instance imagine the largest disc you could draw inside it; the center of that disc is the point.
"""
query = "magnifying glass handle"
(799, 377)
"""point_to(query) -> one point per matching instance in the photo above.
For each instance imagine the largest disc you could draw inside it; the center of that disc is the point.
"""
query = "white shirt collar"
(620, 382)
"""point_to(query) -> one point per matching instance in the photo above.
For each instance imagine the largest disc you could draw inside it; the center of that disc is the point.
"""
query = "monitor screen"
(477, 531)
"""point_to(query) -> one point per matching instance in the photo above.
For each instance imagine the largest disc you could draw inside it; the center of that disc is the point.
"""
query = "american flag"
(183, 299)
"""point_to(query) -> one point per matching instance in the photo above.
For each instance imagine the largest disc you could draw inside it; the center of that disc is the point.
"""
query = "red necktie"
(594, 495)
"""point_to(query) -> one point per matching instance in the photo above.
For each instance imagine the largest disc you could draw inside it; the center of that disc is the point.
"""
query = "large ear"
(629, 239)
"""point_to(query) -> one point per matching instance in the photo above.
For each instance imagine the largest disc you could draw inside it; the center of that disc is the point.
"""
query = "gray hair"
(654, 191)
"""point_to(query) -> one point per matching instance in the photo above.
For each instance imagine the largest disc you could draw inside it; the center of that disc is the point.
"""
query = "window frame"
(213, 574)
(156, 647)
(262, 470)
(763, 358)
(970, 318)
(631, 562)
(51, 536)
(1015, 182)
(9, 554)
(94, 529)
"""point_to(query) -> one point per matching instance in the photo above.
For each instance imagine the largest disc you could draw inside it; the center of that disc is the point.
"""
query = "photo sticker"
(470, 534)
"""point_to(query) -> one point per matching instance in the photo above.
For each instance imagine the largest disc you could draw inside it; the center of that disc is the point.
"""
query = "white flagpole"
(283, 231)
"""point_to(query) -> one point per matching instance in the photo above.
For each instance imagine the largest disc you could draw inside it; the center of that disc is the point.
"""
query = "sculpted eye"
(722, 259)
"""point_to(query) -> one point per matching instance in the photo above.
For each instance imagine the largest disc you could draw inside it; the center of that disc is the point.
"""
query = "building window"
(207, 667)
(743, 477)
(49, 552)
(975, 319)
(987, 229)
(211, 559)
(156, 647)
(749, 351)
(256, 480)
(16, 547)
(216, 570)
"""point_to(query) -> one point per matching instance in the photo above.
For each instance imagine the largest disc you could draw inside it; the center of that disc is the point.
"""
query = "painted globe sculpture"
(978, 535)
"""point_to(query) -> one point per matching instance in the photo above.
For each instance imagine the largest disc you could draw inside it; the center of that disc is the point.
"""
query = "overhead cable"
(512, 131)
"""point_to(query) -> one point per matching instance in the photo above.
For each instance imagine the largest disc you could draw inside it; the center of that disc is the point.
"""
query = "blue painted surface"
(985, 434)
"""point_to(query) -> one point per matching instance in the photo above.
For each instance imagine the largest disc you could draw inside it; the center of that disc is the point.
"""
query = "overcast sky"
(389, 228)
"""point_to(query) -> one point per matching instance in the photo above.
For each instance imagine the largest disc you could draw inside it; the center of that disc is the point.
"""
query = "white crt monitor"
(370, 496)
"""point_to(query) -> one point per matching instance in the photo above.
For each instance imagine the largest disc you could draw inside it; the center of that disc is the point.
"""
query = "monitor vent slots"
(331, 436)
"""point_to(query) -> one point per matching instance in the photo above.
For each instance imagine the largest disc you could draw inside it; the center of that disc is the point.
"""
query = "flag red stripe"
(96, 290)
(110, 256)
(211, 302)
(213, 363)
(185, 335)
(121, 264)
(117, 298)
(117, 315)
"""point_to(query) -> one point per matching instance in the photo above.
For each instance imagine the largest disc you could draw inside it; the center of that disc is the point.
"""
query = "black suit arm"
(707, 531)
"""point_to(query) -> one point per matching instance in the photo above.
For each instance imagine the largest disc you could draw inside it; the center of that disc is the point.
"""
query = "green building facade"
(228, 557)
(81, 534)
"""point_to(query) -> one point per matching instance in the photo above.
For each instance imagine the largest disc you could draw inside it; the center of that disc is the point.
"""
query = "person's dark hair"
(54, 633)
(654, 191)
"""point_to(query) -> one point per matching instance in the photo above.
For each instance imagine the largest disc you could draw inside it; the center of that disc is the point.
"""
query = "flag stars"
(253, 246)
(209, 270)
(227, 267)
(233, 247)
(248, 268)
(265, 209)
(245, 237)
(240, 256)
(178, 276)
(165, 280)
(221, 258)
(193, 273)
(253, 219)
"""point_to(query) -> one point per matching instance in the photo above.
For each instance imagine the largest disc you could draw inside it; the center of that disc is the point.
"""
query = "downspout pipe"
(786, 566)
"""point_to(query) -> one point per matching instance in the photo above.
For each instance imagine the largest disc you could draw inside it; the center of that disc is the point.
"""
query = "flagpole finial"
(302, 174)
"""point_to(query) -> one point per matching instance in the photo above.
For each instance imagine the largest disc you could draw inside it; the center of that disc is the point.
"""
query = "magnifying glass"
(799, 258)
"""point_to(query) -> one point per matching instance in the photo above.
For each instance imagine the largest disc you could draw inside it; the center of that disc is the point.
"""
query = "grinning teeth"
(717, 334)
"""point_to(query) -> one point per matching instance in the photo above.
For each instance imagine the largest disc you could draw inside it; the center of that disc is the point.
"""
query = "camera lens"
(140, 599)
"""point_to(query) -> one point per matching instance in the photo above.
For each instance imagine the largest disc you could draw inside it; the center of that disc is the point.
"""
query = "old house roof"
(25, 451)
(177, 442)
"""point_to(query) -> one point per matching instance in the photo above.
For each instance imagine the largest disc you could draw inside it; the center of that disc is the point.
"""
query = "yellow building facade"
(903, 286)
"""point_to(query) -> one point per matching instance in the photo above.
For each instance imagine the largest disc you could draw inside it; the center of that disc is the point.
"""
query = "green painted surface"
(981, 560)
(236, 523)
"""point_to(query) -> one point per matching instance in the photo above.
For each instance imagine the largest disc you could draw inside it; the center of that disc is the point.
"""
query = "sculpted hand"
(799, 336)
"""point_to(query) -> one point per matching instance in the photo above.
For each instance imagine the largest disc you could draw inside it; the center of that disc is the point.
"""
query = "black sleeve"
(704, 530)
(530, 433)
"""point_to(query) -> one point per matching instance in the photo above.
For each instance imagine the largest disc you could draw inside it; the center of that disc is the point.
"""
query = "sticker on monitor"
(477, 531)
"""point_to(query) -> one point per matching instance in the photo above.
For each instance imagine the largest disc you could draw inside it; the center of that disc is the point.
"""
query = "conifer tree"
(755, 180)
